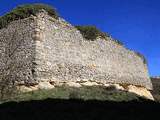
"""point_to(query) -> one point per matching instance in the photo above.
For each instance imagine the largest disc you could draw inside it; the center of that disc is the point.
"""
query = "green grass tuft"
(91, 32)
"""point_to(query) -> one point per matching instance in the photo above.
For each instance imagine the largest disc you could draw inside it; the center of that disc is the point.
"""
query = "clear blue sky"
(135, 22)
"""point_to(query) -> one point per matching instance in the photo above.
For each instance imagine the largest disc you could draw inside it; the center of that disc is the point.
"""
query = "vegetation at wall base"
(25, 11)
(83, 93)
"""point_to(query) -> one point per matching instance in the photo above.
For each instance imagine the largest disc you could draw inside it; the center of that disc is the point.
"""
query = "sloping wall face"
(63, 54)
(17, 51)
(44, 49)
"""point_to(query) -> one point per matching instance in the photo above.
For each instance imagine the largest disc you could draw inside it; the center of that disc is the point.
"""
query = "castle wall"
(44, 49)
(17, 51)
(63, 54)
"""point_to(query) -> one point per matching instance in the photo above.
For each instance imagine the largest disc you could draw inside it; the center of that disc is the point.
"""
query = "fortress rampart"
(41, 48)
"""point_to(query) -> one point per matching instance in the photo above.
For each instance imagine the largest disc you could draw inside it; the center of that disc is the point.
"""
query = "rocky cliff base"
(141, 91)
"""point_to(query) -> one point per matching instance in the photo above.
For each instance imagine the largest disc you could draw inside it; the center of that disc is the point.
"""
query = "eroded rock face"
(23, 88)
(45, 85)
(73, 84)
(141, 91)
(88, 83)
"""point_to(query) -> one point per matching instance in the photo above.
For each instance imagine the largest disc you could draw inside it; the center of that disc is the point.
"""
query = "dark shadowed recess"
(56, 109)
(156, 88)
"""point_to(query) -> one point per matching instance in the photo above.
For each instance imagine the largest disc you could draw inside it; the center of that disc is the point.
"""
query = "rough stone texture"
(45, 85)
(24, 88)
(141, 91)
(156, 88)
(88, 83)
(54, 49)
(73, 84)
(118, 87)
(17, 50)
(68, 56)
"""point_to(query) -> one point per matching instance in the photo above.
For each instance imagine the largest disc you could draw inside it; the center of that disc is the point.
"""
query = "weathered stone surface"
(118, 87)
(45, 85)
(24, 88)
(34, 87)
(72, 57)
(73, 84)
(89, 83)
(141, 91)
(49, 48)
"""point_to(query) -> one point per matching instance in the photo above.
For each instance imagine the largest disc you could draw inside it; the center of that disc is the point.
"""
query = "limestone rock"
(57, 83)
(107, 85)
(73, 84)
(34, 87)
(118, 87)
(88, 83)
(140, 91)
(45, 85)
(24, 88)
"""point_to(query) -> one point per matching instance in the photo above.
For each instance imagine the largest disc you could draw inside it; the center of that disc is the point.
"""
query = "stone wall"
(63, 54)
(53, 50)
(17, 51)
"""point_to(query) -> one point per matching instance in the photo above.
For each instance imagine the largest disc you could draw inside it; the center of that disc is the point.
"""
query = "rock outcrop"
(141, 91)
